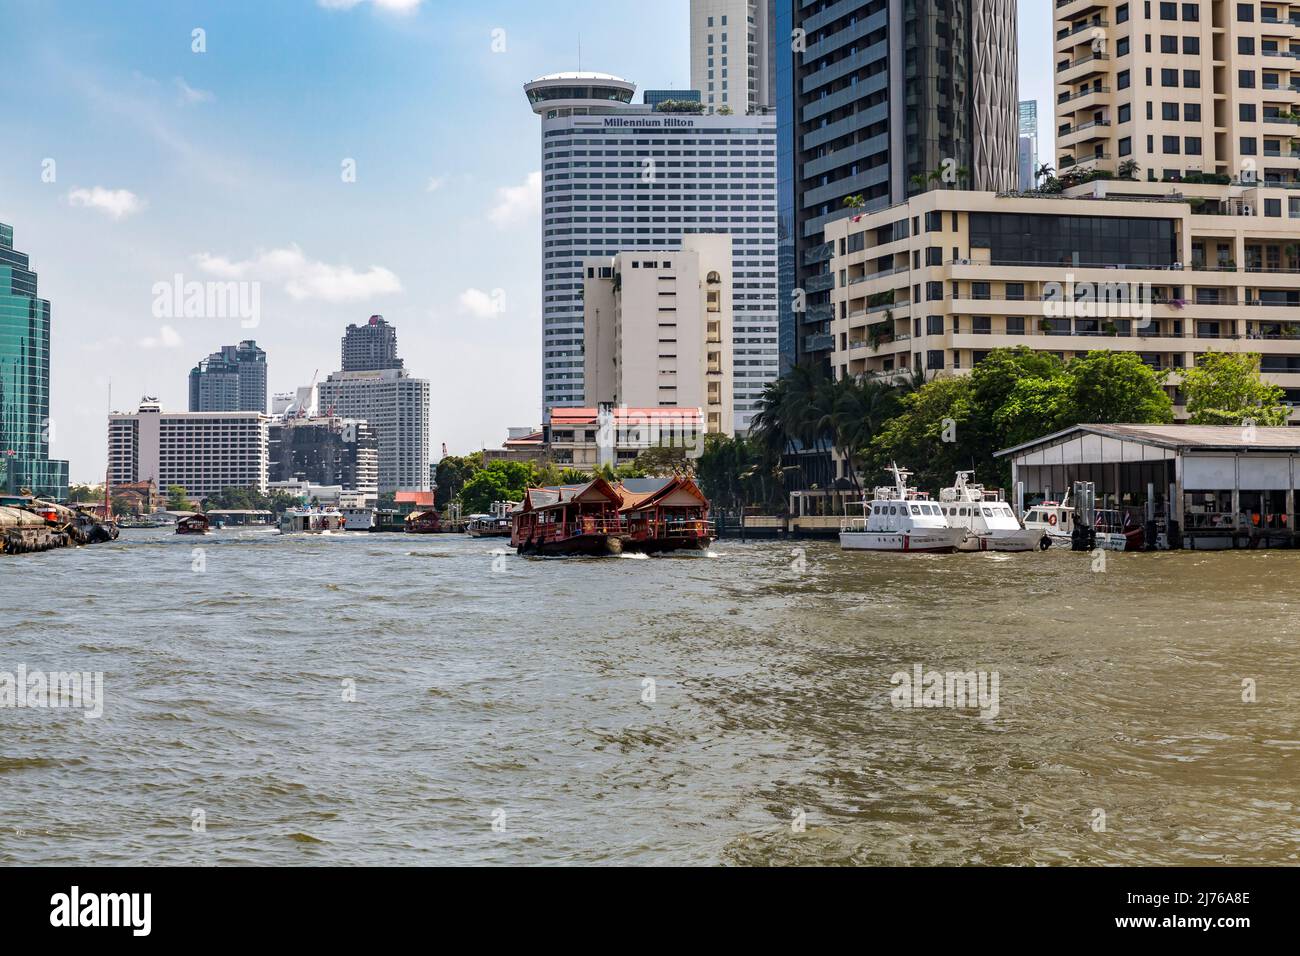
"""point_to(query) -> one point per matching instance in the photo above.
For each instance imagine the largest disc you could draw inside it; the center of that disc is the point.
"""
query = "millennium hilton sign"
(662, 122)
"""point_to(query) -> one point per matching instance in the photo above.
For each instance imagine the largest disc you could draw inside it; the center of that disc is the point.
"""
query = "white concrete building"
(397, 408)
(731, 62)
(619, 177)
(202, 452)
(658, 329)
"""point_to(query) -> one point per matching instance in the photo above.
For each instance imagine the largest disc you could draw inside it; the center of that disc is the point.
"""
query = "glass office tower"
(25, 380)
(877, 100)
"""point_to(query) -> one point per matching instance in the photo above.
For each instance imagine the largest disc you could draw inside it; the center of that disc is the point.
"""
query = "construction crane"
(302, 409)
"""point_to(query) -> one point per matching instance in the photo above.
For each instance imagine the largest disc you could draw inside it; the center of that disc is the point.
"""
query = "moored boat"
(988, 521)
(427, 521)
(900, 519)
(493, 525)
(1056, 519)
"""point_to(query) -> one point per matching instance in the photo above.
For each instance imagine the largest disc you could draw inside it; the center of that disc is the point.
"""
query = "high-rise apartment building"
(658, 329)
(202, 452)
(25, 428)
(396, 406)
(879, 100)
(370, 347)
(231, 380)
(731, 54)
(1028, 160)
(1172, 91)
(619, 177)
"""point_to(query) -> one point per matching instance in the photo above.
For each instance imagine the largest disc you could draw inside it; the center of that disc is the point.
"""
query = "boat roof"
(536, 499)
(676, 491)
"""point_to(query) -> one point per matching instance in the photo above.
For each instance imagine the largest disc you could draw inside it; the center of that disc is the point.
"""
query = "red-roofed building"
(611, 434)
(417, 499)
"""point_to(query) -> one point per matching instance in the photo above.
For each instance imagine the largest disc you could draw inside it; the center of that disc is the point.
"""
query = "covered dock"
(1203, 486)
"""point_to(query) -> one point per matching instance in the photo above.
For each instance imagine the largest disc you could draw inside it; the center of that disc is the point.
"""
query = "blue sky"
(230, 164)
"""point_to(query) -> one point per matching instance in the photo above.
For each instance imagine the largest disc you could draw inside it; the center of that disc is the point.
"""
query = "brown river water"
(730, 708)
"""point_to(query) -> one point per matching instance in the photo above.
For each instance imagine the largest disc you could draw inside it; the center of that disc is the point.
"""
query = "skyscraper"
(619, 177)
(370, 347)
(395, 405)
(1028, 144)
(231, 380)
(731, 54)
(25, 428)
(879, 100)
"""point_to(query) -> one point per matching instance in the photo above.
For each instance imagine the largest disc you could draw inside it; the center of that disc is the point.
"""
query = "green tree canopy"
(178, 499)
(496, 481)
(1227, 389)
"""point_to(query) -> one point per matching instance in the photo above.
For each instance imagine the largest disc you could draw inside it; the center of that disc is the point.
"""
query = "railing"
(1070, 97)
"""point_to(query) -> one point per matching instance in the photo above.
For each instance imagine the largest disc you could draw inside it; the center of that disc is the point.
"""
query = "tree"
(1227, 389)
(453, 473)
(665, 461)
(496, 481)
(930, 436)
(1129, 169)
(178, 499)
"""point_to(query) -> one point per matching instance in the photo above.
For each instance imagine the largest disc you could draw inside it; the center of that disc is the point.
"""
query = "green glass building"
(25, 380)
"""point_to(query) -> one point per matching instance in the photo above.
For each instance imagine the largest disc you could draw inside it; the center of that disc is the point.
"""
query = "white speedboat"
(1056, 520)
(989, 522)
(358, 519)
(310, 521)
(900, 519)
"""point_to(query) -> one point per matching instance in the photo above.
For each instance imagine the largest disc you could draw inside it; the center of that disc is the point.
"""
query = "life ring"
(1051, 519)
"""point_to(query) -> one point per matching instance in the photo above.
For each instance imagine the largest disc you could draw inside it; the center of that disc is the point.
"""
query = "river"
(392, 699)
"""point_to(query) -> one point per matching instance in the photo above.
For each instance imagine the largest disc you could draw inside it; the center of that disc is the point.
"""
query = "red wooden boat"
(665, 514)
(193, 524)
(570, 519)
(424, 522)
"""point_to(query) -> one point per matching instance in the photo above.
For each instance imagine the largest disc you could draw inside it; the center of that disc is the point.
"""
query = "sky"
(337, 158)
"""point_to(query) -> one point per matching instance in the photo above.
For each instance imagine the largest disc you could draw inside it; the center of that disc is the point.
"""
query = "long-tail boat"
(665, 514)
(569, 519)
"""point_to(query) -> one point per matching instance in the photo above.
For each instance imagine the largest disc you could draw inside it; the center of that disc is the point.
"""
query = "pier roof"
(1173, 438)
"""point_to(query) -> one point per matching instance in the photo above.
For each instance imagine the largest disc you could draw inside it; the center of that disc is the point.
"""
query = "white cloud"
(517, 203)
(480, 304)
(394, 6)
(304, 278)
(190, 94)
(167, 338)
(117, 203)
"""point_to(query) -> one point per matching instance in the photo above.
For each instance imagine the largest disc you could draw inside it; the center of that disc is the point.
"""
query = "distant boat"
(358, 519)
(494, 525)
(194, 524)
(310, 521)
(427, 521)
(900, 519)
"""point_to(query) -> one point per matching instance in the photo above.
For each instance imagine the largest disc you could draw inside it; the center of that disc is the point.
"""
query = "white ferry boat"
(310, 521)
(900, 519)
(358, 519)
(989, 522)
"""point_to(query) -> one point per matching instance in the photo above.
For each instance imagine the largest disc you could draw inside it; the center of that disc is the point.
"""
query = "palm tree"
(1044, 171)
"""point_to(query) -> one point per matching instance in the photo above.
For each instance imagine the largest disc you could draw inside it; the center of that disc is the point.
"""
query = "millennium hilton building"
(622, 177)
(879, 100)
(25, 380)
